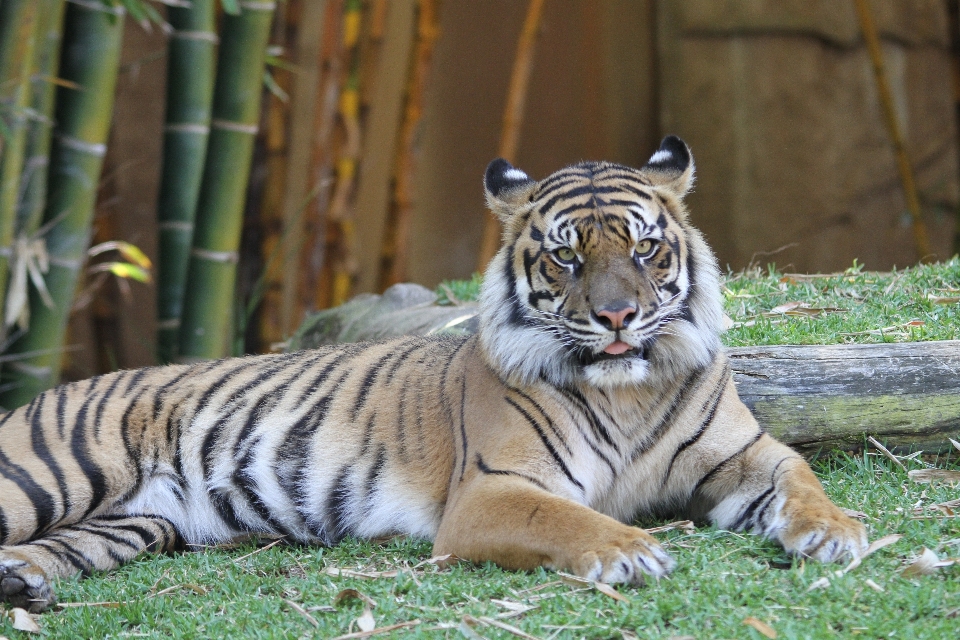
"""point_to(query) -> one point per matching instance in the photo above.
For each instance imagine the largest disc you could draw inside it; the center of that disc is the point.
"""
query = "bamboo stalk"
(893, 130)
(46, 67)
(92, 39)
(395, 251)
(953, 21)
(18, 37)
(303, 282)
(340, 231)
(207, 321)
(513, 117)
(190, 73)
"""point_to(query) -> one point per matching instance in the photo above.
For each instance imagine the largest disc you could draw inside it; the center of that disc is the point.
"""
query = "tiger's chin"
(621, 371)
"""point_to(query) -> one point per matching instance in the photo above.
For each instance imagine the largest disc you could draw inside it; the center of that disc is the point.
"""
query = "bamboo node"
(66, 263)
(253, 5)
(175, 225)
(187, 127)
(92, 5)
(168, 324)
(238, 127)
(204, 36)
(75, 144)
(231, 257)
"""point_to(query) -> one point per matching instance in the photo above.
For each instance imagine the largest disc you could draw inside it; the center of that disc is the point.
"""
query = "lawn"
(726, 585)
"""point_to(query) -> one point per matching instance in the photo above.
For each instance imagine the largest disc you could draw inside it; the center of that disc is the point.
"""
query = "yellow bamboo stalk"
(513, 116)
(394, 254)
(893, 129)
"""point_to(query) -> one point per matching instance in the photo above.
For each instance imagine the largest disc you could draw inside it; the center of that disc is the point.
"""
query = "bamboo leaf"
(231, 7)
(275, 88)
(122, 270)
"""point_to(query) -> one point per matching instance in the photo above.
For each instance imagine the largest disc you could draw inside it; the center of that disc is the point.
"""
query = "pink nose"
(616, 318)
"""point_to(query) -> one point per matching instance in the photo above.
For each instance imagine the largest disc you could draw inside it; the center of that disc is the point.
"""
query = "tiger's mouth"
(587, 358)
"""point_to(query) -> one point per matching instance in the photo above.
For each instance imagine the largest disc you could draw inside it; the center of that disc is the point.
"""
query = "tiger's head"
(600, 279)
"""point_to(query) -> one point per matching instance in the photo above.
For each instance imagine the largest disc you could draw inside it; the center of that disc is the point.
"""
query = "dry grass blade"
(602, 587)
(934, 475)
(260, 550)
(853, 513)
(367, 575)
(514, 609)
(873, 585)
(23, 621)
(196, 588)
(943, 299)
(886, 452)
(761, 626)
(303, 612)
(520, 633)
(379, 630)
(874, 546)
(466, 628)
(73, 605)
(440, 562)
(686, 525)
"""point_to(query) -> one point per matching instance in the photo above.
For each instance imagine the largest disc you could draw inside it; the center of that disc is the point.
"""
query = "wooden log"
(828, 397)
(814, 398)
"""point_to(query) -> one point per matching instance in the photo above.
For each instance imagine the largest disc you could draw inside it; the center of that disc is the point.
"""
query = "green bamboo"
(46, 66)
(17, 35)
(91, 53)
(191, 65)
(207, 321)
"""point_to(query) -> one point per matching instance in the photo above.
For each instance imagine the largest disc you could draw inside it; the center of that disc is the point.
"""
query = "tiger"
(595, 392)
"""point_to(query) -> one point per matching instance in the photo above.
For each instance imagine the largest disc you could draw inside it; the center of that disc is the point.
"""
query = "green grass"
(722, 578)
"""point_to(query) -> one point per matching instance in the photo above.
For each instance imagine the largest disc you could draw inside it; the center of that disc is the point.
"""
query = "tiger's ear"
(507, 187)
(671, 166)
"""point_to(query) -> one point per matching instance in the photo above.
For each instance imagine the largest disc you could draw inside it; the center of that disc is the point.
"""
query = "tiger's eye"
(644, 248)
(565, 254)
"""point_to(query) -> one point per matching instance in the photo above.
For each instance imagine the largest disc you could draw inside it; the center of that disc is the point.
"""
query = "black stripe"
(98, 415)
(713, 402)
(134, 379)
(4, 532)
(133, 453)
(104, 532)
(463, 424)
(337, 506)
(65, 552)
(546, 442)
(679, 403)
(560, 180)
(705, 479)
(369, 379)
(748, 512)
(42, 501)
(376, 469)
(546, 417)
(81, 453)
(38, 443)
(481, 465)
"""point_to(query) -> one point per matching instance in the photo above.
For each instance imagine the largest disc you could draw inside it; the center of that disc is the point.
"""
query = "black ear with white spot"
(506, 187)
(671, 166)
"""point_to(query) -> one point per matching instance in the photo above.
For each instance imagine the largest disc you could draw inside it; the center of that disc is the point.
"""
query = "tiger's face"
(601, 279)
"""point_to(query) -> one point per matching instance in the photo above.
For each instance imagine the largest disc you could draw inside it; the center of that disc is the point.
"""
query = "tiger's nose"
(616, 316)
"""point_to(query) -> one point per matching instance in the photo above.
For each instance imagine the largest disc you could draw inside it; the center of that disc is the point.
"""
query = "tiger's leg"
(768, 488)
(97, 544)
(517, 525)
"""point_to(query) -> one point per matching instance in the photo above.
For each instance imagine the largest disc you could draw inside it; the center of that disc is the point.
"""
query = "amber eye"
(565, 254)
(644, 248)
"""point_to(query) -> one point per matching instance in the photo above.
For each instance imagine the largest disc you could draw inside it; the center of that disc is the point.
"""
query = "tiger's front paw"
(24, 585)
(627, 559)
(827, 536)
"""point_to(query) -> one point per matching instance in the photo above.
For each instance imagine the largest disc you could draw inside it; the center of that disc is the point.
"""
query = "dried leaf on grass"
(943, 299)
(366, 621)
(956, 445)
(886, 452)
(471, 622)
(23, 621)
(927, 563)
(514, 609)
(761, 626)
(934, 475)
(876, 545)
(350, 594)
(602, 587)
(853, 513)
(893, 330)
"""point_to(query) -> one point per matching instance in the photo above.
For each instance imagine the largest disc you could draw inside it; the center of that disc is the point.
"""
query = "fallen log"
(811, 397)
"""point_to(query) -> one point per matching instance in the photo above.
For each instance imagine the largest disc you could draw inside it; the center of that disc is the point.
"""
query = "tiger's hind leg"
(97, 544)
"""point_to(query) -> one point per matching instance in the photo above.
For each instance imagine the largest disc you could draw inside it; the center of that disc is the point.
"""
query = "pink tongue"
(616, 348)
